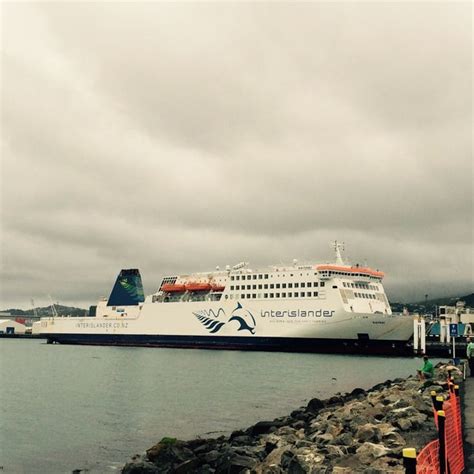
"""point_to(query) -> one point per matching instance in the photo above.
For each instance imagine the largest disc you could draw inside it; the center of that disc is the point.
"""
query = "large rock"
(305, 460)
(315, 405)
(140, 467)
(368, 432)
(234, 463)
(263, 427)
(368, 452)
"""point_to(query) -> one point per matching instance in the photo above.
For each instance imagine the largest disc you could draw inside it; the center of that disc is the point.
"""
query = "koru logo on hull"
(210, 320)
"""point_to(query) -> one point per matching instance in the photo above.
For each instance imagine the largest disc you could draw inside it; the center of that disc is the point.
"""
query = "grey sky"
(177, 137)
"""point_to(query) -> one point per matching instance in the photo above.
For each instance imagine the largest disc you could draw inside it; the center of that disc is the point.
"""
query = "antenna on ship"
(337, 248)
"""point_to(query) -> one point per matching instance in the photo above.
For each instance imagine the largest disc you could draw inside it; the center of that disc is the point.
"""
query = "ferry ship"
(334, 308)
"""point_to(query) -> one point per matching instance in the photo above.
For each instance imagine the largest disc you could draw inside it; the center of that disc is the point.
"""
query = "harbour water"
(85, 407)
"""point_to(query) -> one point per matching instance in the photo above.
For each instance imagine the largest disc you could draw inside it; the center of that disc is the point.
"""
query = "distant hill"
(46, 311)
(430, 305)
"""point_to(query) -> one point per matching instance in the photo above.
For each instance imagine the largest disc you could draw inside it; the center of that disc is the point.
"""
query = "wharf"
(468, 423)
(439, 349)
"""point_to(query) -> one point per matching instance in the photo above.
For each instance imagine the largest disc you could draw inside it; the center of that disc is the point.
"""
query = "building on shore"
(9, 326)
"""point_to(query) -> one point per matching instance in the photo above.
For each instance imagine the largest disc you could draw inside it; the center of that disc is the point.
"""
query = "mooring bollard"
(442, 441)
(409, 460)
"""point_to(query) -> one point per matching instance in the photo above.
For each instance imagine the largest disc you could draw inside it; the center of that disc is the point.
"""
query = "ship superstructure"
(333, 307)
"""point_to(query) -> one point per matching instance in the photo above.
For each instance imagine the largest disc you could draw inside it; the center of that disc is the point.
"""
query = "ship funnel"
(128, 289)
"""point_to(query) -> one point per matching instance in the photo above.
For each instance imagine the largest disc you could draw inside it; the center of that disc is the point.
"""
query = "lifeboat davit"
(198, 286)
(173, 288)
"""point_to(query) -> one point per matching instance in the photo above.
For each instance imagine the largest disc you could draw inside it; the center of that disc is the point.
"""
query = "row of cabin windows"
(363, 286)
(296, 294)
(327, 273)
(272, 286)
(263, 276)
(365, 295)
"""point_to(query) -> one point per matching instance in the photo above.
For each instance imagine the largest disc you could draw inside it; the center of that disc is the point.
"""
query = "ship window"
(254, 295)
(254, 287)
(271, 295)
(308, 284)
(248, 296)
(266, 276)
(232, 278)
(322, 283)
(308, 293)
(283, 295)
(260, 295)
(290, 285)
(272, 286)
(334, 286)
(265, 287)
(237, 277)
(315, 293)
(226, 297)
(278, 285)
(260, 276)
(254, 277)
(290, 295)
(259, 287)
(302, 285)
(296, 285)
(242, 296)
(277, 295)
(283, 285)
(265, 295)
(291, 274)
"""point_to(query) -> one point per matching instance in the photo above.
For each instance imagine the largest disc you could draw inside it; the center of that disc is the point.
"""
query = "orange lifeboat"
(217, 287)
(198, 286)
(173, 288)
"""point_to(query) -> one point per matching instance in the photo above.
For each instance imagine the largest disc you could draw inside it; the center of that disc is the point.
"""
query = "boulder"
(404, 424)
(368, 432)
(315, 405)
(234, 463)
(368, 452)
(186, 466)
(305, 460)
(140, 467)
(263, 427)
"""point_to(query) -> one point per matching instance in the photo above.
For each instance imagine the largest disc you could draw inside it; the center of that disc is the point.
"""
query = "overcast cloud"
(175, 137)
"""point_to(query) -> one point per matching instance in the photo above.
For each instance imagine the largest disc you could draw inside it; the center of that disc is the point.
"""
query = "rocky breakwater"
(362, 431)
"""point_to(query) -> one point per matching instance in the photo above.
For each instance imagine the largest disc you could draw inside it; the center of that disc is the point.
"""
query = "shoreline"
(361, 431)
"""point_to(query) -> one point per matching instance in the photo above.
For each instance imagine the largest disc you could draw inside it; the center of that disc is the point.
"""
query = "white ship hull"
(315, 308)
(309, 326)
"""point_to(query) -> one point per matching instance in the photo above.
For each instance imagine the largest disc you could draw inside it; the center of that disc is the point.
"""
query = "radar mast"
(337, 248)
